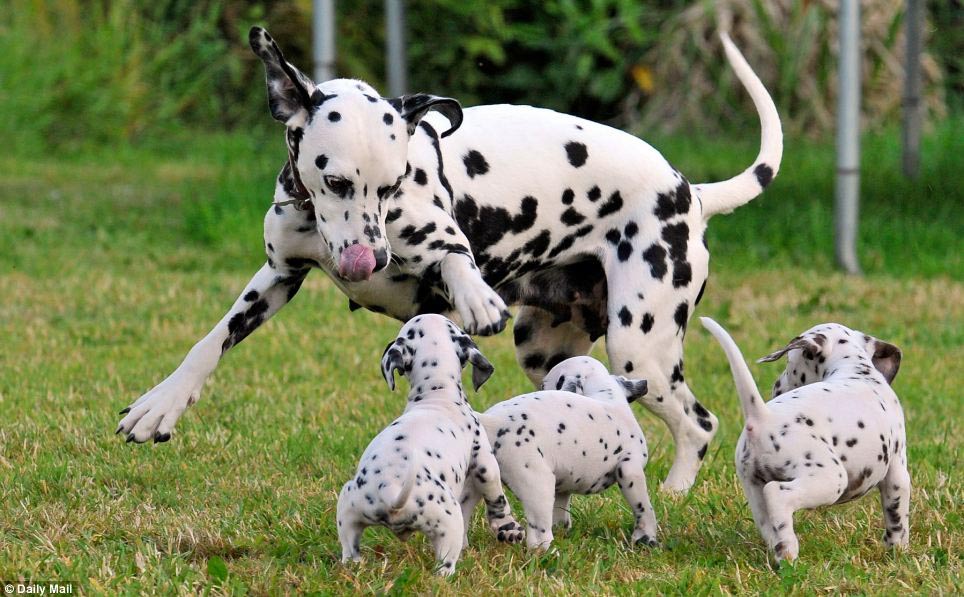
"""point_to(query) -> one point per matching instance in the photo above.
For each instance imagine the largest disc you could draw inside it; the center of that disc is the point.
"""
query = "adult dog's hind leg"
(540, 345)
(644, 339)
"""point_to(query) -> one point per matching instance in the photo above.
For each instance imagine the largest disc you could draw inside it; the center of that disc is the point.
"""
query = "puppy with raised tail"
(833, 431)
(428, 469)
(577, 435)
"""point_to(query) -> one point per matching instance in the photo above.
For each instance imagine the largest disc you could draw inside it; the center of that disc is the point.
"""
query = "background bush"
(81, 72)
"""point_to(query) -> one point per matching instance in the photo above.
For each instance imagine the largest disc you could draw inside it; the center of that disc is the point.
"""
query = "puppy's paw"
(511, 532)
(640, 538)
(154, 414)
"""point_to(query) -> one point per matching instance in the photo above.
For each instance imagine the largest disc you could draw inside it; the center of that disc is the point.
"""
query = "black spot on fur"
(577, 154)
(388, 118)
(334, 116)
(647, 323)
(567, 197)
(625, 317)
(611, 206)
(321, 161)
(655, 255)
(420, 177)
(475, 164)
(681, 316)
(764, 174)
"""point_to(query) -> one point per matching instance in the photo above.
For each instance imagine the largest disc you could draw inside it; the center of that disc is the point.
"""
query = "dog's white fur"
(430, 467)
(833, 430)
(576, 436)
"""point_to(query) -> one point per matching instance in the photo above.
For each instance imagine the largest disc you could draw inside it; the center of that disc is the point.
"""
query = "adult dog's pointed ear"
(886, 357)
(289, 90)
(634, 388)
(393, 359)
(811, 348)
(414, 107)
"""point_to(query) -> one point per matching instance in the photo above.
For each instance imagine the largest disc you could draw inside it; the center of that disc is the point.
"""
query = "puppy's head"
(347, 153)
(430, 347)
(823, 348)
(589, 377)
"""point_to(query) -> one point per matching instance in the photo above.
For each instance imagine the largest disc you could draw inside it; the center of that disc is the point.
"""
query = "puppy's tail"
(725, 196)
(399, 501)
(754, 410)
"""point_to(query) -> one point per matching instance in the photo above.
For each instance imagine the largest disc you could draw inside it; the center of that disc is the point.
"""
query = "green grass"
(113, 263)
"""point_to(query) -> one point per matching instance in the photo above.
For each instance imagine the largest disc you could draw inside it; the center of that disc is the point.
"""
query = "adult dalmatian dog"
(412, 205)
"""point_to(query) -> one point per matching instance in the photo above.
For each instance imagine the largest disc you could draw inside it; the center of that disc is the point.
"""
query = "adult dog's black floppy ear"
(886, 358)
(634, 388)
(414, 107)
(393, 359)
(289, 90)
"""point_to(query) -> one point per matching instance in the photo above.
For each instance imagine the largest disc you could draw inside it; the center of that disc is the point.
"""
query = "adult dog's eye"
(338, 185)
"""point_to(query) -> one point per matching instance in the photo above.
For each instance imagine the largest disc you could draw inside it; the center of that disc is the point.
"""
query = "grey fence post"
(912, 90)
(323, 39)
(395, 58)
(848, 138)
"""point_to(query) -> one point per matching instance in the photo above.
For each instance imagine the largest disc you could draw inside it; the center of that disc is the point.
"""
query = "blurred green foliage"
(76, 73)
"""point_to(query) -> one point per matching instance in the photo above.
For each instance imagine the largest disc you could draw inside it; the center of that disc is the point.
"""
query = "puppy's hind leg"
(560, 511)
(783, 498)
(350, 526)
(632, 482)
(487, 476)
(895, 500)
(446, 535)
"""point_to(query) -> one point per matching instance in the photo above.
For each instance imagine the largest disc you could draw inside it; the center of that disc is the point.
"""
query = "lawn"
(112, 263)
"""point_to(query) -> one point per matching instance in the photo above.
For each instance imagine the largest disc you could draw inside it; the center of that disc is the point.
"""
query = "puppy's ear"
(886, 357)
(811, 346)
(414, 107)
(482, 369)
(393, 359)
(469, 353)
(634, 388)
(289, 90)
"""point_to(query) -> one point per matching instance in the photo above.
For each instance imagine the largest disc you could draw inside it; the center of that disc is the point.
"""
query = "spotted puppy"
(580, 437)
(428, 469)
(833, 431)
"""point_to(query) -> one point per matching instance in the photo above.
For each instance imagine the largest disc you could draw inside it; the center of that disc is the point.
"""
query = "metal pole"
(323, 38)
(848, 138)
(912, 85)
(395, 47)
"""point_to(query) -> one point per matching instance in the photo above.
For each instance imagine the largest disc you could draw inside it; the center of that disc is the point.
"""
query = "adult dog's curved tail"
(727, 195)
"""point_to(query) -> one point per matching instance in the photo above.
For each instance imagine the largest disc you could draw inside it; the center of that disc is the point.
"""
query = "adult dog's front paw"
(481, 309)
(154, 414)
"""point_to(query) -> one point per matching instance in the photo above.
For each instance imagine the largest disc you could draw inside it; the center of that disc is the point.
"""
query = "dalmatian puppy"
(430, 467)
(577, 435)
(413, 205)
(833, 431)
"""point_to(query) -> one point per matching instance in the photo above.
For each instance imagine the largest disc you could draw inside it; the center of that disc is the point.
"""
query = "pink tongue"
(357, 262)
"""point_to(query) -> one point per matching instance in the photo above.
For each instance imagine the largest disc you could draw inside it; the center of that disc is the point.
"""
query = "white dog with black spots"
(576, 436)
(833, 431)
(412, 205)
(428, 470)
